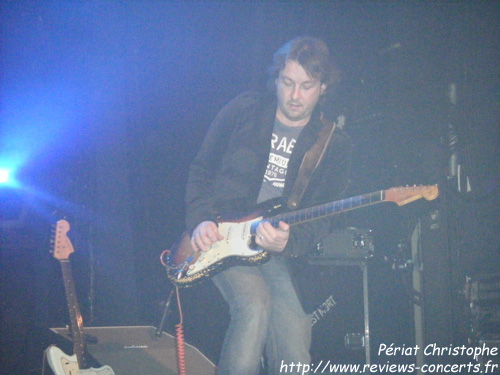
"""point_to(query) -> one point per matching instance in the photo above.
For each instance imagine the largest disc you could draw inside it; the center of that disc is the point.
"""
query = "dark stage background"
(104, 105)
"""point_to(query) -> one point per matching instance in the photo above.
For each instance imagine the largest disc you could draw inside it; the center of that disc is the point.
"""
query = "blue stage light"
(5, 176)
(8, 178)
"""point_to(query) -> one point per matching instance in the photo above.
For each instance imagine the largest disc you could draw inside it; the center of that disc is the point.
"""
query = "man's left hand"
(272, 239)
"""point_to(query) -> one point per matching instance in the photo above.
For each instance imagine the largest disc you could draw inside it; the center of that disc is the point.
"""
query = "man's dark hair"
(311, 53)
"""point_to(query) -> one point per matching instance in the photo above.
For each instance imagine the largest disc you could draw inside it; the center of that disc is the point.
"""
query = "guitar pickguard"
(236, 243)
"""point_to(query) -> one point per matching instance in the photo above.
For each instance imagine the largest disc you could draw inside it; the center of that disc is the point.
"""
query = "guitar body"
(63, 364)
(187, 265)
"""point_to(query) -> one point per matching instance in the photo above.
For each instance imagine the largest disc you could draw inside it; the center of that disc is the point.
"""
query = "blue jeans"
(266, 315)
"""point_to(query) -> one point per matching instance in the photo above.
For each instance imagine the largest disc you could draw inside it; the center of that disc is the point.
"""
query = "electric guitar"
(186, 266)
(59, 362)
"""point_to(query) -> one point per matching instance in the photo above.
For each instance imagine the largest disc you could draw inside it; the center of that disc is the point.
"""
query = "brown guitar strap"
(310, 162)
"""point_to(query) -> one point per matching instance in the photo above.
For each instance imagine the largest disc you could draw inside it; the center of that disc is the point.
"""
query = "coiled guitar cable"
(179, 334)
(179, 328)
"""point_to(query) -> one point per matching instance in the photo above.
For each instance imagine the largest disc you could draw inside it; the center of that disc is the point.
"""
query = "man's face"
(298, 93)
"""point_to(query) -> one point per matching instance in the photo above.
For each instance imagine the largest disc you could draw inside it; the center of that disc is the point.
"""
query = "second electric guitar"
(61, 363)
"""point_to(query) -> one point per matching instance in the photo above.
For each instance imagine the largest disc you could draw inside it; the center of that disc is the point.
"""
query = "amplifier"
(136, 350)
(343, 246)
(483, 290)
(483, 295)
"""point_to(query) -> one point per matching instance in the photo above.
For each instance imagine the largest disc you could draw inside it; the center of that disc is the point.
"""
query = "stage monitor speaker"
(336, 299)
(137, 351)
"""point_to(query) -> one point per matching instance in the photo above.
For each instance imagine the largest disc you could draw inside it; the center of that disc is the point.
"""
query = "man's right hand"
(205, 235)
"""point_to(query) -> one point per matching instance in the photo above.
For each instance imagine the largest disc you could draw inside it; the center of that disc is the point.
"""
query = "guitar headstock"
(406, 194)
(62, 244)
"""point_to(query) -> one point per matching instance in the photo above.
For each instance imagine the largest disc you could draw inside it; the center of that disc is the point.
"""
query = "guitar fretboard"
(316, 212)
(74, 313)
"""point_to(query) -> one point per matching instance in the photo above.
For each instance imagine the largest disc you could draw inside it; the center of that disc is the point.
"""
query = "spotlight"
(8, 178)
(4, 176)
(13, 208)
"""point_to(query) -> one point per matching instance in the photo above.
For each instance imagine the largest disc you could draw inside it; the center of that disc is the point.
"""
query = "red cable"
(162, 255)
(179, 331)
(181, 353)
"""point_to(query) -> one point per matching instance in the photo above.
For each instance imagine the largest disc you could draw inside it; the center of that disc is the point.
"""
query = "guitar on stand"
(60, 362)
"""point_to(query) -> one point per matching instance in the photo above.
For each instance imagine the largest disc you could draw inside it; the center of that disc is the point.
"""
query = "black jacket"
(227, 173)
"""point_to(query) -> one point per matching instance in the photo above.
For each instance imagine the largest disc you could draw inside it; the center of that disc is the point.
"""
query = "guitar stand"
(166, 313)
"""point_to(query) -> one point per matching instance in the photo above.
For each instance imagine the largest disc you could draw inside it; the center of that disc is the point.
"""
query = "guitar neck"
(316, 212)
(76, 321)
